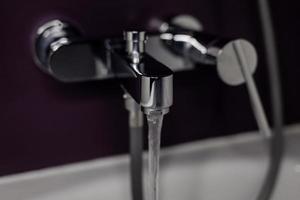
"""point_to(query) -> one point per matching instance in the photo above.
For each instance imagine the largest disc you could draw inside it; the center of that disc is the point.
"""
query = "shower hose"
(135, 121)
(276, 141)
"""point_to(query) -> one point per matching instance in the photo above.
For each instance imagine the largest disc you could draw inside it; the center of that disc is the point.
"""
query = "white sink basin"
(230, 168)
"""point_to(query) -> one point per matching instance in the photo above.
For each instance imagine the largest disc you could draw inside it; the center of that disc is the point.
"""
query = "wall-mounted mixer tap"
(145, 72)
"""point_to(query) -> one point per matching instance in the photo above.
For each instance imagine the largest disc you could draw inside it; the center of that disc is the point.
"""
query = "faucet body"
(146, 80)
(62, 52)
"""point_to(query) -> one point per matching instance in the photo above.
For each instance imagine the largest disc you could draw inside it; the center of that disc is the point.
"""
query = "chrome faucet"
(61, 51)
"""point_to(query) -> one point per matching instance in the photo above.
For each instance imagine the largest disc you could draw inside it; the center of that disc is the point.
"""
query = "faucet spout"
(146, 80)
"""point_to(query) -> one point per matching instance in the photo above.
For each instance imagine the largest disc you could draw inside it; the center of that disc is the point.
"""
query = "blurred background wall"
(46, 123)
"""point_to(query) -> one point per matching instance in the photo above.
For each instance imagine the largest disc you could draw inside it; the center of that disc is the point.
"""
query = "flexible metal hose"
(135, 122)
(136, 162)
(276, 142)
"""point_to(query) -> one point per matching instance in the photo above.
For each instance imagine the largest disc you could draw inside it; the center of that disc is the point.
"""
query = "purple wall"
(45, 123)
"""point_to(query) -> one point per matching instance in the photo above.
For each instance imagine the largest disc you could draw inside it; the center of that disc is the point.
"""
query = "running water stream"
(154, 125)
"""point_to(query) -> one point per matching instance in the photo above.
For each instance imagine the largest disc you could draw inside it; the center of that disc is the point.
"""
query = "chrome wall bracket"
(62, 52)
